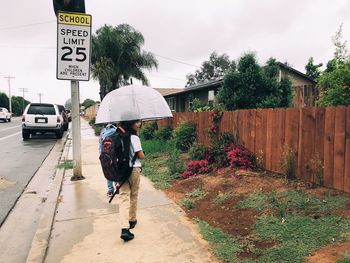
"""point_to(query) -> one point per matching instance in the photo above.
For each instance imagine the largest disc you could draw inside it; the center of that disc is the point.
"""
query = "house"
(92, 111)
(304, 88)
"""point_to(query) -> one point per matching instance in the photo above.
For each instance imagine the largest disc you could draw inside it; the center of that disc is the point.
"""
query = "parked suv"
(64, 115)
(42, 117)
(5, 115)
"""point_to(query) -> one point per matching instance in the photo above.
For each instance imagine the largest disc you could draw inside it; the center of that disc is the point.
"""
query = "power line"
(174, 60)
(27, 25)
(165, 77)
(42, 47)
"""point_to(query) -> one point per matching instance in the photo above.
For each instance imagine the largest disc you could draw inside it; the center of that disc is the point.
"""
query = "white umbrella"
(132, 103)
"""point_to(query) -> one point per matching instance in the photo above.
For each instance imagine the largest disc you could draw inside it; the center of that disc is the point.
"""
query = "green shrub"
(198, 151)
(163, 134)
(218, 155)
(98, 128)
(148, 131)
(184, 136)
(175, 164)
(227, 139)
(92, 121)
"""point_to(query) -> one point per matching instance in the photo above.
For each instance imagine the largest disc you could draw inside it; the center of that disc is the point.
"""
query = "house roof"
(218, 81)
(166, 92)
(286, 67)
(198, 86)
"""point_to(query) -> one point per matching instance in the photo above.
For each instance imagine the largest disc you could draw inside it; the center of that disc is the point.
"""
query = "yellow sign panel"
(74, 19)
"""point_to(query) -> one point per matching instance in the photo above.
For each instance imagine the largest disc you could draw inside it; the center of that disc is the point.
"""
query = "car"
(43, 118)
(64, 114)
(5, 115)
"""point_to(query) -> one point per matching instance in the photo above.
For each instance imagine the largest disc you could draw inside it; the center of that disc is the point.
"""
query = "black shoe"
(126, 235)
(132, 224)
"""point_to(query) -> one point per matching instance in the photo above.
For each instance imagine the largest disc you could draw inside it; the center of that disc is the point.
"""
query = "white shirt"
(135, 146)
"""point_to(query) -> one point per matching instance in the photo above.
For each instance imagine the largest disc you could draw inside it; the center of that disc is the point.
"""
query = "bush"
(148, 131)
(195, 168)
(163, 134)
(175, 164)
(227, 139)
(198, 152)
(98, 128)
(92, 121)
(217, 155)
(239, 157)
(184, 136)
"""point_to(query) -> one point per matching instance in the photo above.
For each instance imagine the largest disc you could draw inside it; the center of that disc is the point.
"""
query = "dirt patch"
(330, 254)
(225, 189)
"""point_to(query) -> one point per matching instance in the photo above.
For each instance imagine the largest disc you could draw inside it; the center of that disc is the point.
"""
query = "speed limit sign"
(73, 46)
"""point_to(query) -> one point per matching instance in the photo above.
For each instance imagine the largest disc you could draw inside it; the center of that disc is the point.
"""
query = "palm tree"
(117, 57)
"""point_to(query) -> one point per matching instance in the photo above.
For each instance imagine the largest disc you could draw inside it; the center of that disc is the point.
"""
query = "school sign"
(73, 46)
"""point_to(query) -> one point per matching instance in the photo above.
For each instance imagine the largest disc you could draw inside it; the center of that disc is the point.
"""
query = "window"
(171, 103)
(42, 109)
(211, 95)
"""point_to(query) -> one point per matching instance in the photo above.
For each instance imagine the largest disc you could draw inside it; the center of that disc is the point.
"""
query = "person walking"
(128, 192)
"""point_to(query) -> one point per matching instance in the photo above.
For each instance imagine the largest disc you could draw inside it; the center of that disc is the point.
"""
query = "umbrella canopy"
(132, 103)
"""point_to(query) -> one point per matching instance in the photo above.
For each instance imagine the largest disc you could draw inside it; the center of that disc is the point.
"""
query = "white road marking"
(11, 135)
(10, 128)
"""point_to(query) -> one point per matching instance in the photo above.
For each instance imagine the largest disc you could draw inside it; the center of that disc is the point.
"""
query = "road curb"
(42, 235)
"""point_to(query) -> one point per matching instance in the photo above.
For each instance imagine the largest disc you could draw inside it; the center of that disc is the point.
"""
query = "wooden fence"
(313, 133)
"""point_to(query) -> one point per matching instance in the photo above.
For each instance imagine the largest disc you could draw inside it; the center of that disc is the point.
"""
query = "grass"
(189, 203)
(225, 247)
(222, 197)
(257, 200)
(299, 235)
(345, 259)
(154, 166)
(190, 200)
(295, 202)
(198, 193)
(151, 147)
(66, 164)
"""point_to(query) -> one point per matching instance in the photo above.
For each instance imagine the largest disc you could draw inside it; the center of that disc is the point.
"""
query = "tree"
(334, 86)
(18, 105)
(4, 100)
(68, 104)
(252, 86)
(214, 68)
(341, 54)
(88, 103)
(334, 83)
(313, 70)
(117, 57)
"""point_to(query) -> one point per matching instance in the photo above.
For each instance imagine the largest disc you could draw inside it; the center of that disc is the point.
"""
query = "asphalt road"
(19, 160)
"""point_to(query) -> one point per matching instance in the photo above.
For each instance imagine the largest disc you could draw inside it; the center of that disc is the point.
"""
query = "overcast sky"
(186, 31)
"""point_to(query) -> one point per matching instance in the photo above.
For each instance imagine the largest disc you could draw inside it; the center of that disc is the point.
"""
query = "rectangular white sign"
(73, 46)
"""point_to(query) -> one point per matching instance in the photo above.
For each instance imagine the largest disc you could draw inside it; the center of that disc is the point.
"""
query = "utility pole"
(77, 171)
(23, 90)
(40, 95)
(9, 81)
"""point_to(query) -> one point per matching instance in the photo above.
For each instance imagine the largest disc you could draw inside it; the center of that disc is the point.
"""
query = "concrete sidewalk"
(86, 227)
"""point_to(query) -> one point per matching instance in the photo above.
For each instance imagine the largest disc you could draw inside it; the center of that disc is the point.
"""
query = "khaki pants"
(128, 194)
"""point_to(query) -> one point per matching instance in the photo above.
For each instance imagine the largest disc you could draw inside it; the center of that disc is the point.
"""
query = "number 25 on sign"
(73, 46)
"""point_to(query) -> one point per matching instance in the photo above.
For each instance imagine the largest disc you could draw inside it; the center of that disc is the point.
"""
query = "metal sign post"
(73, 63)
